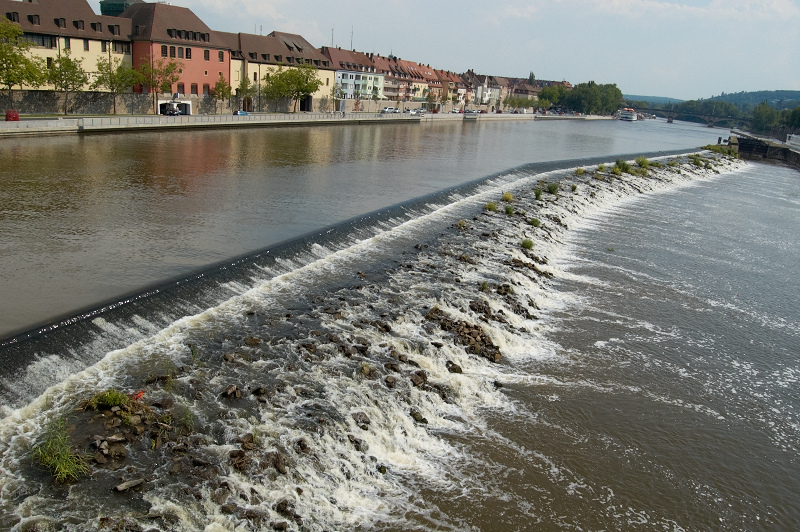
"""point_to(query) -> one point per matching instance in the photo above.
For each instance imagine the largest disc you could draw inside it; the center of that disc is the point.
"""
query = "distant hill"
(651, 99)
(748, 100)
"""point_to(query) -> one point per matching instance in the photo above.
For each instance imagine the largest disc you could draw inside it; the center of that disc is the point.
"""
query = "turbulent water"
(618, 355)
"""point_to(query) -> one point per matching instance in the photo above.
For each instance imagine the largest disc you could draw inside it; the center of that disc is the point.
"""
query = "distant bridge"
(710, 120)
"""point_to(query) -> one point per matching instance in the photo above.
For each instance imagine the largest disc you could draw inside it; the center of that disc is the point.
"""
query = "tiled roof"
(79, 20)
(164, 23)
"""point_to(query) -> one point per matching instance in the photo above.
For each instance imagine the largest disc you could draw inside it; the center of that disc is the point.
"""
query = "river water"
(644, 350)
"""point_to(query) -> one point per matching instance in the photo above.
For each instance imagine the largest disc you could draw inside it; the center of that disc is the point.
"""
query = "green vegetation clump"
(527, 243)
(656, 164)
(580, 171)
(642, 162)
(507, 196)
(484, 286)
(672, 164)
(622, 166)
(56, 454)
(535, 222)
(574, 188)
(461, 225)
(538, 193)
(509, 210)
(491, 206)
(108, 399)
(552, 188)
(723, 150)
(601, 167)
(616, 170)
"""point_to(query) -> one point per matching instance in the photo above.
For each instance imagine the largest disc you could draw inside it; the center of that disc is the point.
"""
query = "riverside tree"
(222, 89)
(246, 92)
(114, 76)
(67, 75)
(16, 68)
(291, 84)
(159, 76)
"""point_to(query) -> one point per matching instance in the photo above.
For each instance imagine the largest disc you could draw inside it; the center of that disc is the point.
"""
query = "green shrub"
(527, 243)
(538, 193)
(601, 168)
(642, 162)
(672, 164)
(622, 166)
(616, 170)
(507, 196)
(56, 454)
(509, 210)
(552, 188)
(491, 206)
(574, 188)
(534, 222)
(484, 286)
(579, 171)
(108, 399)
(461, 225)
(656, 164)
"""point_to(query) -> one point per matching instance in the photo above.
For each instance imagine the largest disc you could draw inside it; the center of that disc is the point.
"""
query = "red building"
(172, 33)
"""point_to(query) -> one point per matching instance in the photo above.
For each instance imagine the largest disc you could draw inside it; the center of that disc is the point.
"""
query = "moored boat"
(627, 114)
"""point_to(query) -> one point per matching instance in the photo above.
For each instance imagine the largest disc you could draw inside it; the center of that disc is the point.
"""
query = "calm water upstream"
(418, 368)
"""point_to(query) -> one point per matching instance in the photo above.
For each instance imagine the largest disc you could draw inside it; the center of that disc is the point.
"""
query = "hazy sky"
(684, 49)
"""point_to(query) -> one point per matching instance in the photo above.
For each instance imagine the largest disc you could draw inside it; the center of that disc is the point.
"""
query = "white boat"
(627, 114)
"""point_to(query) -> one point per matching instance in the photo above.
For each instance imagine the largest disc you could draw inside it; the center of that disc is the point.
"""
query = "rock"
(116, 438)
(117, 451)
(239, 460)
(358, 443)
(437, 345)
(419, 377)
(229, 357)
(99, 458)
(281, 525)
(228, 509)
(302, 446)
(418, 417)
(232, 392)
(125, 486)
(452, 367)
(390, 381)
(252, 341)
(361, 419)
(285, 507)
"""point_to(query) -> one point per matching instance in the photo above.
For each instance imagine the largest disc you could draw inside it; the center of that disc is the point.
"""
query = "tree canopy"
(591, 98)
(16, 68)
(67, 75)
(159, 76)
(115, 76)
(291, 84)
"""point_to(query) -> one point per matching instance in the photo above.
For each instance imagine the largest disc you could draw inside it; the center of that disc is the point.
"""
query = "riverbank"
(113, 124)
(328, 393)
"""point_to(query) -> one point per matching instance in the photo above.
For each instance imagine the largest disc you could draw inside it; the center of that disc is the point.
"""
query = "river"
(643, 346)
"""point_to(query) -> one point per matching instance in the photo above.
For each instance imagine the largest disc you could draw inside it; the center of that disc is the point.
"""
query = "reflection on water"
(85, 219)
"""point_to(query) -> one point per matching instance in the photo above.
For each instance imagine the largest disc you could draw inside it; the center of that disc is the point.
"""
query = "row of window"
(51, 42)
(13, 16)
(193, 88)
(186, 53)
(184, 34)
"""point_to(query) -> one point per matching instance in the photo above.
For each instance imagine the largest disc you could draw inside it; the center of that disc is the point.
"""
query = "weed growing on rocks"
(56, 454)
(507, 196)
(527, 243)
(491, 206)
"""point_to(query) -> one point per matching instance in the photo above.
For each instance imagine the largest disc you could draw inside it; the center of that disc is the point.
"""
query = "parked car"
(456, 111)
(241, 113)
(389, 110)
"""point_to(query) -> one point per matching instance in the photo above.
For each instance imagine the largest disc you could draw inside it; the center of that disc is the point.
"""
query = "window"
(265, 57)
(78, 24)
(278, 58)
(172, 51)
(34, 19)
(163, 50)
(122, 47)
(139, 30)
(290, 59)
(97, 26)
(206, 55)
(13, 16)
(49, 62)
(86, 45)
(180, 88)
(194, 88)
(180, 52)
(66, 43)
(103, 46)
(206, 89)
(253, 55)
(255, 77)
(220, 74)
(221, 56)
(114, 29)
(61, 23)
(171, 32)
(188, 53)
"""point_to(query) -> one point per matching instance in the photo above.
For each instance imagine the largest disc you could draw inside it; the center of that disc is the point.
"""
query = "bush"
(616, 170)
(535, 222)
(527, 243)
(461, 225)
(622, 166)
(642, 162)
(579, 171)
(601, 168)
(552, 188)
(56, 454)
(672, 164)
(574, 188)
(538, 193)
(491, 206)
(108, 399)
(509, 210)
(507, 196)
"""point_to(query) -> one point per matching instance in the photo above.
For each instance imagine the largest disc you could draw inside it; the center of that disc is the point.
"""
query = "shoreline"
(287, 401)
(121, 124)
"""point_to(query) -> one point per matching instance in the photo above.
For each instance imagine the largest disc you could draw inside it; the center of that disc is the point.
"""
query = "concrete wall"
(49, 102)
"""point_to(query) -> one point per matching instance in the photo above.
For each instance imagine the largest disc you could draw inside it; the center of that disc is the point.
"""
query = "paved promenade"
(89, 125)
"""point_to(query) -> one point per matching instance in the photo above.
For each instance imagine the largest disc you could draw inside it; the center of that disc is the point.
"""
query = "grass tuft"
(56, 454)
(601, 168)
(580, 171)
(491, 206)
(574, 188)
(538, 193)
(622, 166)
(507, 196)
(535, 222)
(108, 399)
(552, 188)
(527, 243)
(509, 210)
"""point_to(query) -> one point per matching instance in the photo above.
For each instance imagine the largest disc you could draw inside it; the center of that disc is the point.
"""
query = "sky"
(685, 49)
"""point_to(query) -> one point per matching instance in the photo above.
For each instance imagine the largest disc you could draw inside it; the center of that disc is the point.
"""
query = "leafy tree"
(592, 98)
(275, 86)
(16, 68)
(302, 82)
(159, 76)
(553, 94)
(66, 75)
(531, 79)
(113, 76)
(430, 98)
(765, 117)
(246, 92)
(222, 89)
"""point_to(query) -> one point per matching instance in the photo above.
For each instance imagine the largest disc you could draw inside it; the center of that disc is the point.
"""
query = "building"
(70, 26)
(357, 77)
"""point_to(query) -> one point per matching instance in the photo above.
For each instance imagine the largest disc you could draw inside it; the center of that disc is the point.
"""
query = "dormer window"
(97, 26)
(265, 57)
(61, 23)
(171, 32)
(253, 56)
(139, 30)
(34, 19)
(78, 24)
(13, 16)
(114, 29)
